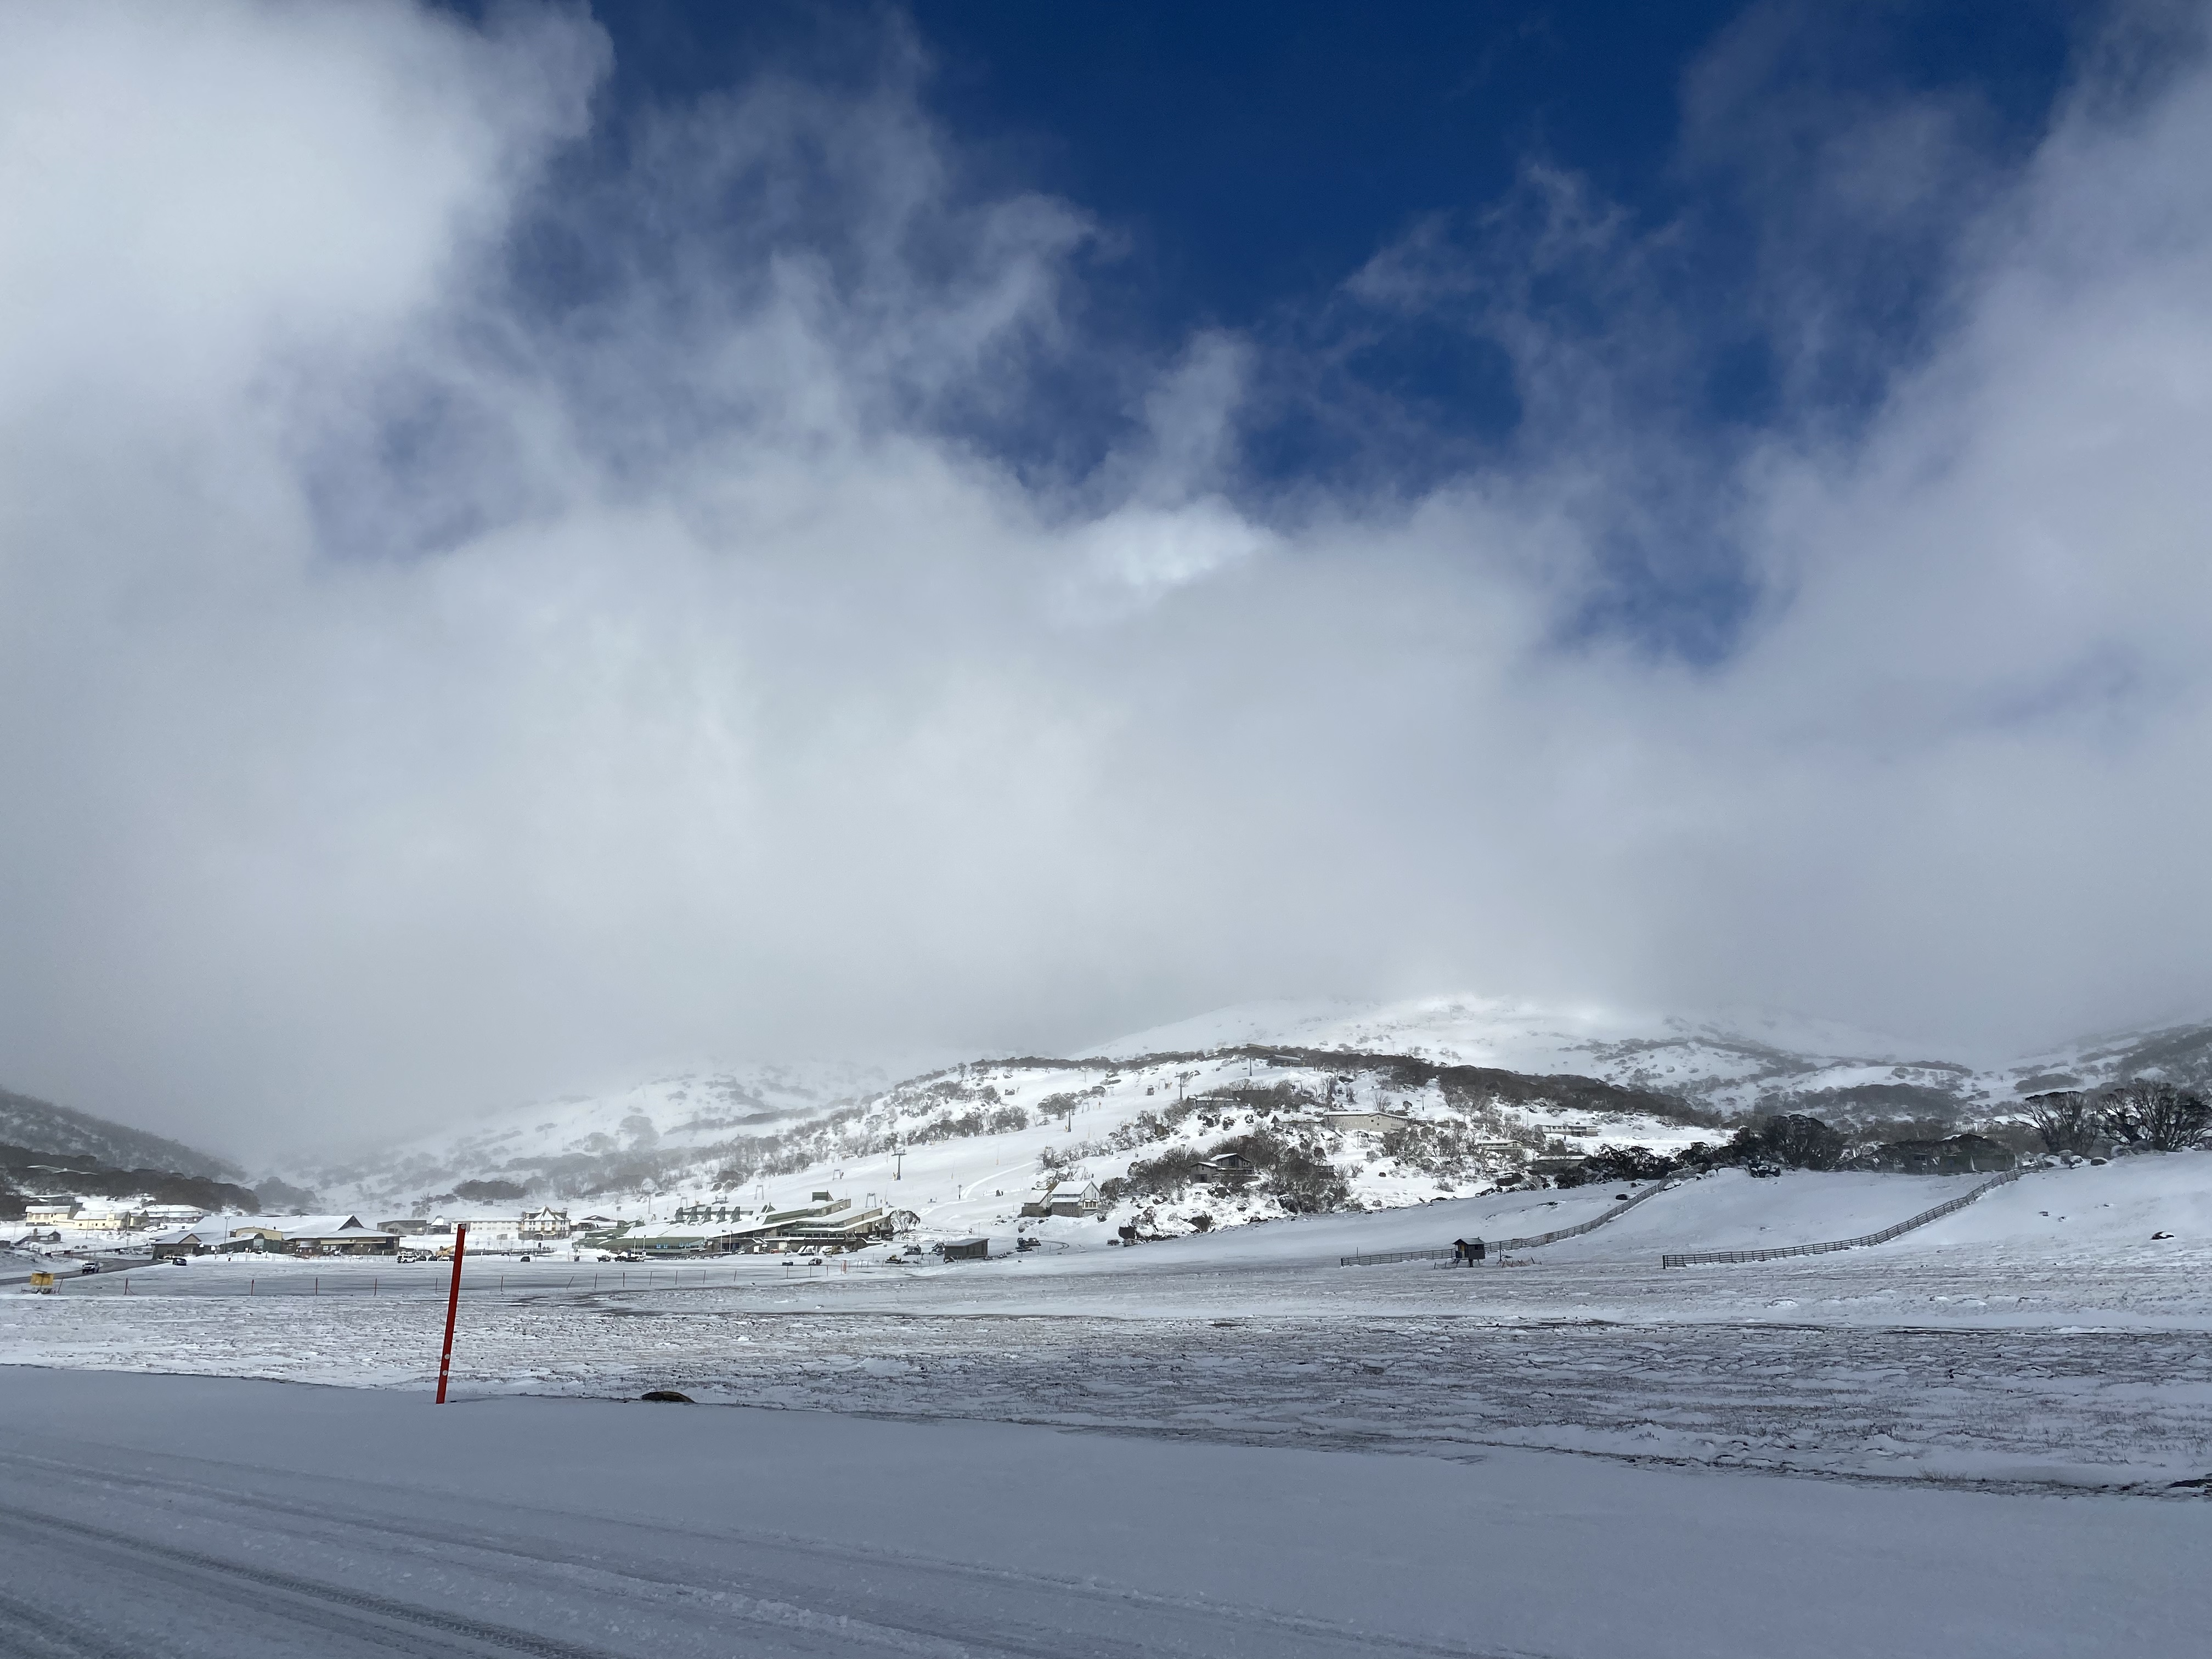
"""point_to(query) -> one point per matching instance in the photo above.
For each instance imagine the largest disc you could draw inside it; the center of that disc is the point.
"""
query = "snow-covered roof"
(302, 1226)
(677, 1229)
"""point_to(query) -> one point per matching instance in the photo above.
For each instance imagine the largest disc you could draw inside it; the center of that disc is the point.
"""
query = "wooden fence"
(1501, 1245)
(1903, 1227)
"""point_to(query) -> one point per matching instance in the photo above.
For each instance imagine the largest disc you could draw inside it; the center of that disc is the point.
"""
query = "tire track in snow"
(1080, 1620)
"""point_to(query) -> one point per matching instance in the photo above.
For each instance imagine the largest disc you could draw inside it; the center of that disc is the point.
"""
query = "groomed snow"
(201, 1516)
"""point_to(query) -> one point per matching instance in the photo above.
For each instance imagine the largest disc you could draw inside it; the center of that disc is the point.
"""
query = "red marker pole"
(452, 1308)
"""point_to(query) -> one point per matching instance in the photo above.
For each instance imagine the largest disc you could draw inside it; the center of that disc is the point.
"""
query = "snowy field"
(237, 1520)
(1965, 1443)
(2041, 1339)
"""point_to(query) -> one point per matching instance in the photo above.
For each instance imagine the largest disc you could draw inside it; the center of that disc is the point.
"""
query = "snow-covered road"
(205, 1516)
(133, 1555)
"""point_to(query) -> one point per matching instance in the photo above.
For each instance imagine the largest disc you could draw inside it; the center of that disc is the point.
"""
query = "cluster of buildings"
(1077, 1195)
(321, 1235)
(100, 1215)
(823, 1223)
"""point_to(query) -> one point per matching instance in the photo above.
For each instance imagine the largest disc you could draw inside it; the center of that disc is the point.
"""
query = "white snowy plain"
(1171, 1449)
(195, 1516)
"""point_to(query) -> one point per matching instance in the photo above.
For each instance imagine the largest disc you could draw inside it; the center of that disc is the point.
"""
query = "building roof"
(307, 1226)
(839, 1227)
(652, 1230)
(286, 1223)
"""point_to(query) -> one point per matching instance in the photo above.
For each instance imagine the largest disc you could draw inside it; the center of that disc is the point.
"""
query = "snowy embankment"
(248, 1519)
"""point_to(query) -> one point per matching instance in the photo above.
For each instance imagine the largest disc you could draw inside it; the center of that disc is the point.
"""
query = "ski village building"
(1070, 1195)
(531, 1231)
(175, 1241)
(720, 1229)
(107, 1214)
(312, 1235)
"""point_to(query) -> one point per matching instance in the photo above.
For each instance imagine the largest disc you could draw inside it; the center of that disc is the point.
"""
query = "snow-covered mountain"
(42, 1127)
(1737, 1062)
(630, 1142)
(2179, 1054)
(1482, 1084)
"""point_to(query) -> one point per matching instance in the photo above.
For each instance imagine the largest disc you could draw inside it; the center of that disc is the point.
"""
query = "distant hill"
(1404, 1102)
(42, 1126)
(26, 1173)
(1737, 1063)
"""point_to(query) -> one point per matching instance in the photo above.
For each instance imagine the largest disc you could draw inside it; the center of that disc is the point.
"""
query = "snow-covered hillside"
(40, 1125)
(633, 1142)
(962, 1147)
(1334, 1106)
(1737, 1062)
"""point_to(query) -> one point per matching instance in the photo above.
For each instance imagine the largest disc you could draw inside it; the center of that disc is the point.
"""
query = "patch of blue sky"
(1240, 166)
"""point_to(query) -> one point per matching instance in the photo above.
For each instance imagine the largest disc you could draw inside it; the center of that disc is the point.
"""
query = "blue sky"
(1245, 163)
(538, 543)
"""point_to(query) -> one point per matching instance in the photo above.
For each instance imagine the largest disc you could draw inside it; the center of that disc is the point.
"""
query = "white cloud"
(410, 695)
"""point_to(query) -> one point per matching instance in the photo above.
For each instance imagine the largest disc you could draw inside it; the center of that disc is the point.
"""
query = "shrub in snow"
(1789, 1139)
(492, 1192)
(1949, 1155)
(1611, 1162)
(1292, 1173)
